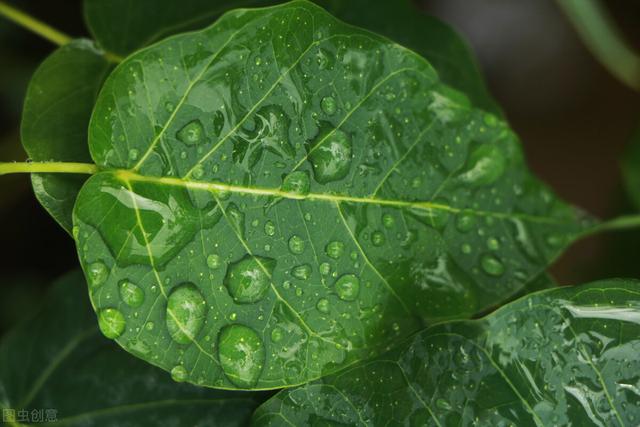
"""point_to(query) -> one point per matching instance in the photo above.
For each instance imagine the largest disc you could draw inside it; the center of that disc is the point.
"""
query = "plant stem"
(621, 223)
(33, 25)
(599, 32)
(47, 167)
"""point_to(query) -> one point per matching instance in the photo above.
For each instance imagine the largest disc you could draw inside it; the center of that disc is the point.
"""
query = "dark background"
(574, 119)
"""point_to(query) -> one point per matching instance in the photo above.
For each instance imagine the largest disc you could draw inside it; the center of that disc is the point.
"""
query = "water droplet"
(465, 223)
(97, 273)
(192, 133)
(348, 287)
(492, 265)
(325, 268)
(214, 261)
(236, 217)
(249, 278)
(296, 183)
(218, 122)
(323, 305)
(133, 154)
(242, 354)
(443, 404)
(388, 221)
(198, 171)
(493, 244)
(269, 228)
(328, 105)
(131, 294)
(185, 313)
(149, 325)
(276, 334)
(554, 240)
(335, 249)
(330, 155)
(466, 248)
(179, 373)
(487, 163)
(296, 244)
(301, 272)
(377, 238)
(111, 323)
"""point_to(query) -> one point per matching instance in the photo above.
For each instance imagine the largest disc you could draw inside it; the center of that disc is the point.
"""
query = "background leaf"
(55, 119)
(320, 187)
(568, 356)
(631, 169)
(58, 360)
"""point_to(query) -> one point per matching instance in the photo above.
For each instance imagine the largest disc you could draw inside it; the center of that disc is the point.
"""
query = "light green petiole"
(47, 167)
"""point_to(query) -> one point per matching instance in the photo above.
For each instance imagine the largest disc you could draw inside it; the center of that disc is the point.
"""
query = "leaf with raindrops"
(283, 195)
(56, 367)
(567, 356)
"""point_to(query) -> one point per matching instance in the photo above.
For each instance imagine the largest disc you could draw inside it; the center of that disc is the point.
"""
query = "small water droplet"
(443, 404)
(248, 279)
(301, 272)
(296, 183)
(214, 261)
(192, 133)
(111, 323)
(133, 154)
(269, 228)
(179, 373)
(97, 273)
(296, 244)
(388, 221)
(335, 249)
(378, 238)
(348, 287)
(493, 244)
(186, 310)
(131, 294)
(276, 334)
(241, 354)
(465, 223)
(323, 305)
(492, 265)
(330, 155)
(487, 163)
(466, 248)
(328, 105)
(325, 268)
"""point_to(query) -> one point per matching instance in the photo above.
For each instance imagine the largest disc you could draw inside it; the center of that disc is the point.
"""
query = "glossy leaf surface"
(58, 361)
(631, 169)
(308, 181)
(568, 356)
(55, 119)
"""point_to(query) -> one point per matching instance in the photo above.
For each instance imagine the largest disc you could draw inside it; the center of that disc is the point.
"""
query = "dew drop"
(388, 221)
(330, 156)
(214, 262)
(198, 171)
(328, 105)
(465, 223)
(348, 287)
(111, 323)
(133, 154)
(323, 305)
(325, 268)
(443, 404)
(192, 133)
(236, 217)
(335, 249)
(97, 273)
(377, 238)
(296, 183)
(493, 244)
(492, 265)
(296, 244)
(248, 279)
(301, 272)
(487, 163)
(179, 374)
(186, 310)
(241, 354)
(466, 248)
(269, 228)
(131, 294)
(276, 334)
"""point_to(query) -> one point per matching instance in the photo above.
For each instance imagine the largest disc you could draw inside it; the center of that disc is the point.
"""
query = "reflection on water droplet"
(323, 305)
(131, 294)
(111, 323)
(179, 373)
(487, 163)
(377, 238)
(335, 249)
(348, 287)
(330, 155)
(97, 273)
(214, 261)
(192, 133)
(249, 278)
(241, 354)
(492, 265)
(328, 105)
(296, 183)
(296, 244)
(301, 272)
(185, 315)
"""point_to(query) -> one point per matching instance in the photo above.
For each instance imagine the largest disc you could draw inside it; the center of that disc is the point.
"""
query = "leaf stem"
(620, 223)
(599, 33)
(34, 25)
(47, 167)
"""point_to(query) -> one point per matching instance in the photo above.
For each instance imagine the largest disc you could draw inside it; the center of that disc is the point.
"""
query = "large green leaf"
(305, 187)
(568, 356)
(55, 119)
(58, 363)
(631, 169)
(146, 21)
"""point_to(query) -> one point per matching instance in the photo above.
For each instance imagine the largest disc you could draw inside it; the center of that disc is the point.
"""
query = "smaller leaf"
(567, 356)
(631, 169)
(57, 362)
(55, 119)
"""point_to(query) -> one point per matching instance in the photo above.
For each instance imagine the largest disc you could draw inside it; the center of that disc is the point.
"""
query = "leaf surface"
(568, 356)
(311, 184)
(58, 361)
(57, 108)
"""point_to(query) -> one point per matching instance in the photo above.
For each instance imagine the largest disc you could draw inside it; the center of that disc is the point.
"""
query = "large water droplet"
(330, 155)
(296, 183)
(249, 278)
(242, 354)
(486, 164)
(328, 105)
(97, 273)
(335, 249)
(179, 373)
(348, 287)
(186, 310)
(192, 133)
(111, 323)
(492, 265)
(131, 294)
(296, 244)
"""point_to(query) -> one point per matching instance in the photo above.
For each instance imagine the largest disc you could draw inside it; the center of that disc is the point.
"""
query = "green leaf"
(631, 169)
(567, 356)
(315, 183)
(58, 361)
(123, 26)
(55, 119)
